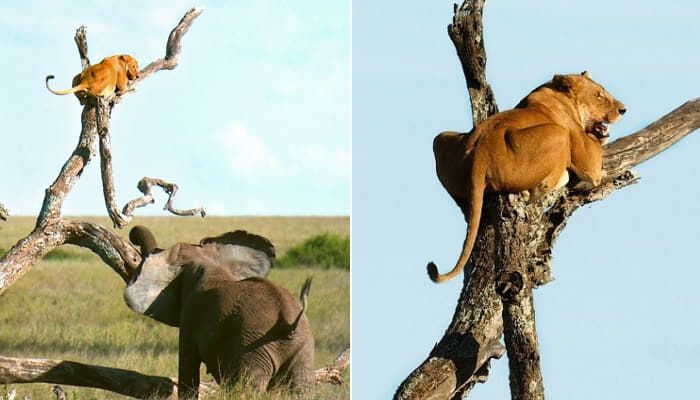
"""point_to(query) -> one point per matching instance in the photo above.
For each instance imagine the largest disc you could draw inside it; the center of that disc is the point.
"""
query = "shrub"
(321, 251)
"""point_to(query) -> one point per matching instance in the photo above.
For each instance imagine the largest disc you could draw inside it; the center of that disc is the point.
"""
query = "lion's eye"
(600, 95)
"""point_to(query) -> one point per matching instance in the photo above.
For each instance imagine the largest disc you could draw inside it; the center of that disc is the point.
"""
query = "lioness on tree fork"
(102, 79)
(559, 127)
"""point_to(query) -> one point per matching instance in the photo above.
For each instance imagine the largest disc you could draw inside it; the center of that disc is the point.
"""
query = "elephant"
(242, 329)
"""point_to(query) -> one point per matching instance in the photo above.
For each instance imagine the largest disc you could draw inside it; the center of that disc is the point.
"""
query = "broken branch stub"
(466, 33)
(81, 41)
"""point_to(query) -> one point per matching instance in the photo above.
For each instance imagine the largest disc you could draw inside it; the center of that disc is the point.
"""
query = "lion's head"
(131, 66)
(595, 105)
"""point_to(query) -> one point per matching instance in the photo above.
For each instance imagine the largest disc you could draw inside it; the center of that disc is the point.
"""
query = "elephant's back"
(257, 302)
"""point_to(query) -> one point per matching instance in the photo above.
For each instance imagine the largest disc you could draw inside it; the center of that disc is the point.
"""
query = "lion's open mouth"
(600, 130)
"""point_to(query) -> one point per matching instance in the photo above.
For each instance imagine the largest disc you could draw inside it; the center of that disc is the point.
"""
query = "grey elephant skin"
(250, 329)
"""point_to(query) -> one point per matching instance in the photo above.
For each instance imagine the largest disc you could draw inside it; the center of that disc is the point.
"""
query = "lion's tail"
(477, 201)
(67, 91)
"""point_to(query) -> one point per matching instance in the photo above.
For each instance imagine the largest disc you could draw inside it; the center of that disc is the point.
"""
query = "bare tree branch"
(628, 151)
(145, 186)
(28, 251)
(118, 219)
(72, 169)
(172, 49)
(114, 250)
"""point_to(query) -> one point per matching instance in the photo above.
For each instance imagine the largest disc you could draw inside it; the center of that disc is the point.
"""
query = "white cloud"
(249, 156)
(251, 159)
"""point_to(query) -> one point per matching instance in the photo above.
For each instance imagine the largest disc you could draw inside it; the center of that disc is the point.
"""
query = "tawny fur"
(559, 127)
(103, 79)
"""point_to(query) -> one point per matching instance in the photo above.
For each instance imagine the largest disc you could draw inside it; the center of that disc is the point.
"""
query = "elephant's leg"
(301, 378)
(297, 374)
(296, 378)
(255, 369)
(188, 369)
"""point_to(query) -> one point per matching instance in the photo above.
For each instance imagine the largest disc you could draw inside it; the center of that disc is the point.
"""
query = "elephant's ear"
(155, 289)
(244, 254)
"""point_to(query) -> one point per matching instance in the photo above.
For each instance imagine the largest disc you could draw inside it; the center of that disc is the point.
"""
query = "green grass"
(322, 251)
(69, 306)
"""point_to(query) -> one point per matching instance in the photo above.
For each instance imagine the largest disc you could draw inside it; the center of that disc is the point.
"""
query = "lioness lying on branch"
(559, 127)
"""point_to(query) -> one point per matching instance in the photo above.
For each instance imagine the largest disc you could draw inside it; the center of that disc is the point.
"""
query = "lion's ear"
(561, 83)
(586, 74)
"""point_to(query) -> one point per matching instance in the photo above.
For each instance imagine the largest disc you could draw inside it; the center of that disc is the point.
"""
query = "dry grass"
(72, 308)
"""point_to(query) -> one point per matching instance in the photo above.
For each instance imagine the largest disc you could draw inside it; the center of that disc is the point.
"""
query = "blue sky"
(254, 120)
(620, 320)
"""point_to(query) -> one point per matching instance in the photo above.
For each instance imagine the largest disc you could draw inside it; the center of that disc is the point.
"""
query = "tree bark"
(513, 251)
(466, 33)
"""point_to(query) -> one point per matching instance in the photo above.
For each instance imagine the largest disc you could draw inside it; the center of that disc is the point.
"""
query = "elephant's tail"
(302, 299)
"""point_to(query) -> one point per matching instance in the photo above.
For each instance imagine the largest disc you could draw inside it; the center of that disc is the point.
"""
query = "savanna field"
(70, 307)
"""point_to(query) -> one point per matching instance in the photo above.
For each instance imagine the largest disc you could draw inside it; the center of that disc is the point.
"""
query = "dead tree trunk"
(513, 251)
